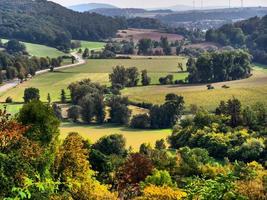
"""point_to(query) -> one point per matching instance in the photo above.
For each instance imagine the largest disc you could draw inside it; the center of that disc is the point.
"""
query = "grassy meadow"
(97, 71)
(249, 91)
(92, 45)
(134, 137)
(40, 50)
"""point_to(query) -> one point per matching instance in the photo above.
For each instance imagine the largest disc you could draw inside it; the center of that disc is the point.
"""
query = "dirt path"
(13, 83)
(78, 58)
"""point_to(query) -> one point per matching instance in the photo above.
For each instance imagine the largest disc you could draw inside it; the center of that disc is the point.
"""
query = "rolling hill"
(45, 22)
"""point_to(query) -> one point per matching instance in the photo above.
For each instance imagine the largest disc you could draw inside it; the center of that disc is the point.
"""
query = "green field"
(134, 137)
(249, 91)
(92, 45)
(96, 70)
(41, 50)
(11, 108)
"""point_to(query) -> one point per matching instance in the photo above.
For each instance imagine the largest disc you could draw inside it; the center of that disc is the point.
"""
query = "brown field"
(137, 34)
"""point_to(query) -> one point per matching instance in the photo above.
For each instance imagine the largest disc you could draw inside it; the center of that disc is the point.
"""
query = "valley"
(102, 101)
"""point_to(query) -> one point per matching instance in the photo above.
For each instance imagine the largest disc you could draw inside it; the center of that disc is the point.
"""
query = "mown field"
(92, 45)
(249, 91)
(96, 70)
(41, 50)
(134, 137)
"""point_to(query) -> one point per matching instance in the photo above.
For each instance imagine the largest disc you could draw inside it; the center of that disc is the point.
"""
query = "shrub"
(225, 86)
(166, 80)
(9, 100)
(141, 121)
(210, 87)
(179, 82)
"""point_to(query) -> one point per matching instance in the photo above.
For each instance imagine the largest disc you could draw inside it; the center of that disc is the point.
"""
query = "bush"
(9, 100)
(141, 121)
(179, 82)
(210, 87)
(225, 86)
(168, 80)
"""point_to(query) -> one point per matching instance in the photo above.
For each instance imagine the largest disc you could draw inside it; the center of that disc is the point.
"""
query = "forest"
(210, 156)
(48, 23)
(251, 34)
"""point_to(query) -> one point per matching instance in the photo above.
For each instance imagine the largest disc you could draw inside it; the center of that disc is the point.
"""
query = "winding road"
(13, 83)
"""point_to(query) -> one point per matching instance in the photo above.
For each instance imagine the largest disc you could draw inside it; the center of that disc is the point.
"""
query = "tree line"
(16, 63)
(249, 33)
(219, 66)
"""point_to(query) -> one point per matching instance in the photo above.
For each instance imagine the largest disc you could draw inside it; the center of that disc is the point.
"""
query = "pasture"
(248, 91)
(134, 137)
(41, 50)
(92, 45)
(97, 71)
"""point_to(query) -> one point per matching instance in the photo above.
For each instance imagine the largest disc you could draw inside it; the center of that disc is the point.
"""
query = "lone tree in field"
(31, 94)
(124, 77)
(118, 76)
(145, 78)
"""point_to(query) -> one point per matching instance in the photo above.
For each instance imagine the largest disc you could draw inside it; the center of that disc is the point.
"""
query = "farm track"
(11, 84)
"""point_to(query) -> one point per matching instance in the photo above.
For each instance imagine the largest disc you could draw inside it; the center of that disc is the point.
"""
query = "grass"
(11, 108)
(96, 70)
(248, 91)
(134, 137)
(92, 45)
(41, 50)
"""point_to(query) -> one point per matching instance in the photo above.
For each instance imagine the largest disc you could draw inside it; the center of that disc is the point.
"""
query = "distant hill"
(214, 14)
(130, 12)
(90, 6)
(214, 18)
(46, 22)
(178, 8)
(174, 8)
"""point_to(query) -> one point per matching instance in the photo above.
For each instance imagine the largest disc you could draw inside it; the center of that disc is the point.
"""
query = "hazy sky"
(164, 3)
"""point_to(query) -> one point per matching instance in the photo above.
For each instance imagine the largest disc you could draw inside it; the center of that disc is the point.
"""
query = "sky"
(164, 3)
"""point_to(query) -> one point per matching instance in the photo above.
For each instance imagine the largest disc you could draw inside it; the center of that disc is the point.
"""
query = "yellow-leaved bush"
(153, 192)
